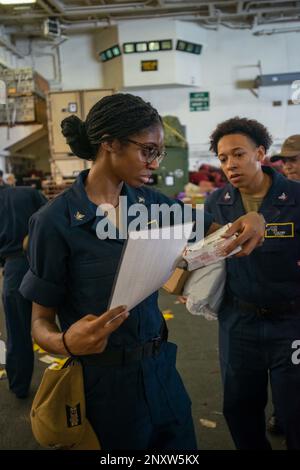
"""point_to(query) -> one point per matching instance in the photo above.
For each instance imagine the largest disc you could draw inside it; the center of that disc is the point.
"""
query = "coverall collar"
(82, 210)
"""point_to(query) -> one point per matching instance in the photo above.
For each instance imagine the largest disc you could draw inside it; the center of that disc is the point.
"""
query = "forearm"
(48, 336)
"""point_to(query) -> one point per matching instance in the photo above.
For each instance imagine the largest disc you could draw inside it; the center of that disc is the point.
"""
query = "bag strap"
(70, 361)
(164, 332)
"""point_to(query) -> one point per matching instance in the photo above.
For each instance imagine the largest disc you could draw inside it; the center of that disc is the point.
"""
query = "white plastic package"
(204, 290)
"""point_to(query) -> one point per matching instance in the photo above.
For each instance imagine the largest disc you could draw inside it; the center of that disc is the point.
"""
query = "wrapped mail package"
(209, 250)
(204, 290)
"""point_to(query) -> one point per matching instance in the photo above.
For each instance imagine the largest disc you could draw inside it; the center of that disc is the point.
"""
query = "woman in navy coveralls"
(16, 207)
(134, 395)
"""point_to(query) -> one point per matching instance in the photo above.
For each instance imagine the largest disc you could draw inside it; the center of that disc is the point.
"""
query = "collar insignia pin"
(141, 199)
(79, 216)
(227, 196)
(282, 197)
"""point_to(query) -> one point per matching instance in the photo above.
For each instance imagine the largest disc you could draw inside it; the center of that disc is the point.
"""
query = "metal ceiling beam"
(285, 19)
(72, 12)
(274, 2)
(59, 6)
(86, 25)
(143, 6)
(167, 8)
(270, 32)
(45, 7)
(275, 10)
(201, 3)
(276, 79)
(145, 14)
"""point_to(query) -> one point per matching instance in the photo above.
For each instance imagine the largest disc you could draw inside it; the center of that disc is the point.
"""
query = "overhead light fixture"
(16, 2)
(141, 47)
(190, 47)
(129, 47)
(166, 45)
(149, 46)
(110, 53)
(153, 46)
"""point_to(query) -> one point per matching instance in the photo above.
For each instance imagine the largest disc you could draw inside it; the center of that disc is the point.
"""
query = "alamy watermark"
(296, 353)
(2, 352)
(295, 97)
(117, 223)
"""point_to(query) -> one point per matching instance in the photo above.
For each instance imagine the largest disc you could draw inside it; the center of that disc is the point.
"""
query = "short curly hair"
(251, 128)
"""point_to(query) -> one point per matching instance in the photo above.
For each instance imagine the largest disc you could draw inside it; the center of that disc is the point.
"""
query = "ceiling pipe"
(108, 9)
(6, 43)
(249, 4)
(97, 24)
(280, 20)
(86, 25)
(58, 6)
(118, 8)
(75, 11)
(200, 3)
(275, 10)
(45, 7)
(178, 15)
(150, 12)
(27, 16)
(270, 32)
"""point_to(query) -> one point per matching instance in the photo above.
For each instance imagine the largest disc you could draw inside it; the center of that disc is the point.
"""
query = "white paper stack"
(209, 250)
(148, 261)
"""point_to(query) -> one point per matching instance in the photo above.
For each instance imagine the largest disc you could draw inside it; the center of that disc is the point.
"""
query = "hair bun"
(74, 130)
(70, 127)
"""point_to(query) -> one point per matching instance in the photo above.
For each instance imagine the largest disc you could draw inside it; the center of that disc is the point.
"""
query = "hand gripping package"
(209, 250)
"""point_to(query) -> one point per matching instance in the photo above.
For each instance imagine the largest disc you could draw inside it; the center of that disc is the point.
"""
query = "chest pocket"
(278, 258)
(287, 239)
(96, 268)
(91, 283)
(274, 245)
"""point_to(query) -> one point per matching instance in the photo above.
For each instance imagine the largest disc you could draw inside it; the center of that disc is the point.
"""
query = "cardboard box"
(175, 283)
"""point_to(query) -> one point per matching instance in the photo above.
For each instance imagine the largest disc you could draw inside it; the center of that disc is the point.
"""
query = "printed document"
(149, 259)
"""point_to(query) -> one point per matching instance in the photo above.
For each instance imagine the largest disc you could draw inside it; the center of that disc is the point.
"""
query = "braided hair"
(113, 117)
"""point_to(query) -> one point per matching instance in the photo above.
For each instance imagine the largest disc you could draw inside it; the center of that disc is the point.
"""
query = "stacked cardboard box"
(25, 90)
(24, 81)
(51, 189)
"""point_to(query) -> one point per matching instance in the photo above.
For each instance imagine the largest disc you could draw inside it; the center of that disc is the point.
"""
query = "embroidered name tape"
(281, 230)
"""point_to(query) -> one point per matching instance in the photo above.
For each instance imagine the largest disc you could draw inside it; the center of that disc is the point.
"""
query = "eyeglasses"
(150, 152)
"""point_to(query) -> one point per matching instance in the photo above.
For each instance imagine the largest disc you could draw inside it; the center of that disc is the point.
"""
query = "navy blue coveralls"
(135, 400)
(16, 207)
(260, 317)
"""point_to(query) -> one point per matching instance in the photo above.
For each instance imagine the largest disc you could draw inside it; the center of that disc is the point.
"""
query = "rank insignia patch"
(79, 216)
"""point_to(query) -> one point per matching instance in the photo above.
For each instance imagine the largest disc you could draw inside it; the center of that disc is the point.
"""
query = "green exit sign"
(199, 101)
